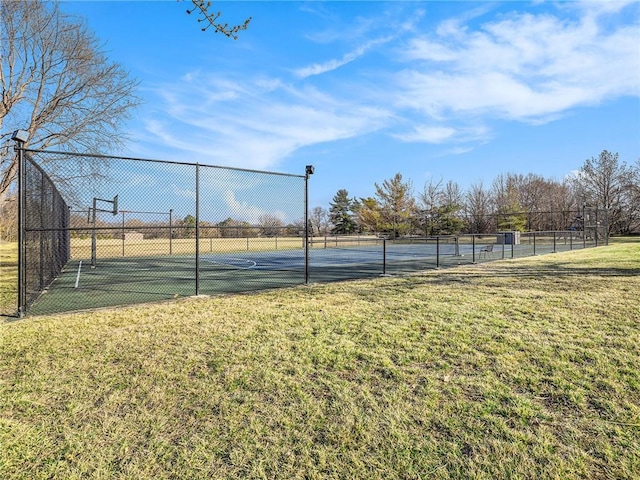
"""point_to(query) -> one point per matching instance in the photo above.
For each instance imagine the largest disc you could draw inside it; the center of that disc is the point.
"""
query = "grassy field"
(524, 368)
(107, 248)
(8, 278)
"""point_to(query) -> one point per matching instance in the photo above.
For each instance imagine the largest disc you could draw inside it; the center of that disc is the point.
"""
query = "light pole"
(308, 171)
(20, 137)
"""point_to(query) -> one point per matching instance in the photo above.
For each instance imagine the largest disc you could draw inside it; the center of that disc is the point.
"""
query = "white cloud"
(260, 128)
(183, 193)
(242, 210)
(428, 134)
(523, 67)
(330, 65)
(448, 84)
(435, 134)
(247, 212)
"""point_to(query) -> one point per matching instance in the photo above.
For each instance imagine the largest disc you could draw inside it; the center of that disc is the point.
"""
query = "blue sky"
(461, 91)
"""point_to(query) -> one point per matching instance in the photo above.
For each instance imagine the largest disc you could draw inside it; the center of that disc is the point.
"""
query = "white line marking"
(78, 277)
(250, 263)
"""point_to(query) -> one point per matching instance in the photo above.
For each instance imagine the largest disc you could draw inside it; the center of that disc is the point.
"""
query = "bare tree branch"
(211, 19)
(58, 84)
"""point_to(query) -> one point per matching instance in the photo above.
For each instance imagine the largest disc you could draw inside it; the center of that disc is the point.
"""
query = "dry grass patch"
(8, 278)
(516, 369)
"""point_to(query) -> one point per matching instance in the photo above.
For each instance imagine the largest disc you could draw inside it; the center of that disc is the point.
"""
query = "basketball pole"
(94, 233)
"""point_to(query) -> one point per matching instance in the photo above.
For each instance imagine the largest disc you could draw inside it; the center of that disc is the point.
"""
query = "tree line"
(267, 225)
(513, 202)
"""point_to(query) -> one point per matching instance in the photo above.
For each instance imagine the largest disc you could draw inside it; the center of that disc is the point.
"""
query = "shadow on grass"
(486, 271)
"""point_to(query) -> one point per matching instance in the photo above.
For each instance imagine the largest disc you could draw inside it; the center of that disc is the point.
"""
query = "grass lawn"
(525, 368)
(8, 278)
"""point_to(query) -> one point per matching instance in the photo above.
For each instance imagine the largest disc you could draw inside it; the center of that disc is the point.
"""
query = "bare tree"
(211, 19)
(8, 214)
(440, 208)
(633, 189)
(543, 201)
(479, 206)
(603, 182)
(270, 225)
(430, 195)
(319, 220)
(58, 84)
(509, 211)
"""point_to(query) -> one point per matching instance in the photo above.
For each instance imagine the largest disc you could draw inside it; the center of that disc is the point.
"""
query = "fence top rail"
(166, 162)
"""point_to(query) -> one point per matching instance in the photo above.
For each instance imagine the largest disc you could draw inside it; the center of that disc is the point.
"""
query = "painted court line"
(78, 276)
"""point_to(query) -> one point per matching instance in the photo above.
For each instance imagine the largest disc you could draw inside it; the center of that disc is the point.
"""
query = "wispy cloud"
(259, 129)
(437, 134)
(183, 193)
(523, 67)
(445, 87)
(330, 65)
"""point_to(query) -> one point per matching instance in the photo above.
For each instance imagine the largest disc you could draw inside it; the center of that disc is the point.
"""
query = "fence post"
(584, 226)
(94, 240)
(170, 231)
(197, 229)
(41, 269)
(437, 251)
(534, 243)
(19, 147)
(473, 247)
(123, 233)
(308, 171)
(384, 256)
(597, 229)
(554, 242)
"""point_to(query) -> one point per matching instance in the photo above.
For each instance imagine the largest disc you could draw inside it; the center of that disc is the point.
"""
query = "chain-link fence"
(100, 231)
(46, 232)
(119, 230)
(336, 258)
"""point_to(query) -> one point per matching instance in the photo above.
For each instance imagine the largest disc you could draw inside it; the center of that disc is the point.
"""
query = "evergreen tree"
(397, 205)
(341, 214)
(370, 215)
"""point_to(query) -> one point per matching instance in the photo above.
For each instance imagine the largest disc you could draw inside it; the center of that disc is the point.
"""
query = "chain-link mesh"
(335, 258)
(134, 231)
(46, 231)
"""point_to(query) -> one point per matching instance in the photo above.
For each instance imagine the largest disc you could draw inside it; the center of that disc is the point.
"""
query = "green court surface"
(123, 281)
(133, 280)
